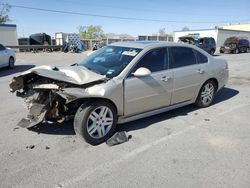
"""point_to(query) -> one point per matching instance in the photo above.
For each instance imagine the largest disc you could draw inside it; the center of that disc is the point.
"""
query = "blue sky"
(207, 13)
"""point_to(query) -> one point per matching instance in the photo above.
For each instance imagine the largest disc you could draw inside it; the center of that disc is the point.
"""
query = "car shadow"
(223, 95)
(18, 68)
(66, 128)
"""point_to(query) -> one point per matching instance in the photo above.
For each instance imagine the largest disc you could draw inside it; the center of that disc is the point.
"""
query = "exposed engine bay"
(43, 90)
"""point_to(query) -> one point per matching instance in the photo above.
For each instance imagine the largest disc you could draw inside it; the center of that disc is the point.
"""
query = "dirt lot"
(187, 147)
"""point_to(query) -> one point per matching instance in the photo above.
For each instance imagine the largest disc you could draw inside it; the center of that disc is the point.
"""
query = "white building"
(220, 35)
(8, 35)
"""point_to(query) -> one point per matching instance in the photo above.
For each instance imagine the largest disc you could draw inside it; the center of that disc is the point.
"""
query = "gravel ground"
(187, 147)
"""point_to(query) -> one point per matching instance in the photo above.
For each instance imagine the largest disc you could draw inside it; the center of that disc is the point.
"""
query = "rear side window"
(201, 58)
(243, 42)
(206, 41)
(182, 56)
(155, 60)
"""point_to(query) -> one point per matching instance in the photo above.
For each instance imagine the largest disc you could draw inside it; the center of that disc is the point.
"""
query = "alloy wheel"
(100, 122)
(11, 63)
(207, 94)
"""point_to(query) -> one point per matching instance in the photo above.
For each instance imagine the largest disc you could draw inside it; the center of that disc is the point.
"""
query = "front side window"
(182, 56)
(110, 60)
(155, 60)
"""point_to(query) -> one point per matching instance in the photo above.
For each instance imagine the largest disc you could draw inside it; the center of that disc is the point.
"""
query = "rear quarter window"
(201, 58)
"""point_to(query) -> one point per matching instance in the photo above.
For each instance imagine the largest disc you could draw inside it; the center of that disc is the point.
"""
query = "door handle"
(165, 78)
(200, 71)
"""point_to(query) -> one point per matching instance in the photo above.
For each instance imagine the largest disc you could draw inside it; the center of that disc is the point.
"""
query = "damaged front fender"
(44, 93)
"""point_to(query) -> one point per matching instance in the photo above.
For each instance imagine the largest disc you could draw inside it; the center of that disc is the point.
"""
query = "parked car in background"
(119, 83)
(206, 43)
(235, 45)
(7, 57)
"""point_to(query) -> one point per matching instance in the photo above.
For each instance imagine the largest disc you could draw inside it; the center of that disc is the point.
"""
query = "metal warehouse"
(220, 35)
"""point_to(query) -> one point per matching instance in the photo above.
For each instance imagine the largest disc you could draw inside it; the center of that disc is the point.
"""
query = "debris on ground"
(118, 138)
(15, 128)
(59, 186)
(207, 119)
(47, 147)
(30, 147)
(195, 113)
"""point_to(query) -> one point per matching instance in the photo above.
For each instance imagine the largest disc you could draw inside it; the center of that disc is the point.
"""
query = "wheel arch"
(82, 101)
(199, 89)
(214, 80)
(12, 57)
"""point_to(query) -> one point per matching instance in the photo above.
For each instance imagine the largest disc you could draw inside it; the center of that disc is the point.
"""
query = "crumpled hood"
(72, 74)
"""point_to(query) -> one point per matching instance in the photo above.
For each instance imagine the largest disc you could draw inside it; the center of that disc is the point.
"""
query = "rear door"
(142, 94)
(188, 74)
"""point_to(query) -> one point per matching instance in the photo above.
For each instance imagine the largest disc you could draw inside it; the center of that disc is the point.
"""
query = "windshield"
(110, 60)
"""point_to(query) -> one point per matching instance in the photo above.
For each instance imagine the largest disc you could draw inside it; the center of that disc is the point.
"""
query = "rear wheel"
(11, 62)
(212, 52)
(206, 94)
(95, 122)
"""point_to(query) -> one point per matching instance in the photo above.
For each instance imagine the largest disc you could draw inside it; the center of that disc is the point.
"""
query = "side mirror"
(142, 72)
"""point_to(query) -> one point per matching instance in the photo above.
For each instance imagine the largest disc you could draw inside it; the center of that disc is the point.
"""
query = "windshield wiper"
(93, 70)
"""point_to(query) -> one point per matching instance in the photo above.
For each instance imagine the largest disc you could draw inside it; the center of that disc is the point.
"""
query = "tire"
(206, 94)
(90, 120)
(221, 51)
(248, 50)
(236, 51)
(11, 62)
(212, 52)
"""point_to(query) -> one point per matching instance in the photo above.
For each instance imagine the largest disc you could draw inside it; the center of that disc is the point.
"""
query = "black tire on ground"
(83, 120)
(236, 51)
(212, 52)
(11, 62)
(203, 94)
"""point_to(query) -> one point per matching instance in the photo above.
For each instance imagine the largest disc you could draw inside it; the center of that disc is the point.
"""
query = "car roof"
(148, 44)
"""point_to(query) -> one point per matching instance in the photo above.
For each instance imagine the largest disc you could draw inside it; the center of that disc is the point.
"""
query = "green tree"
(4, 10)
(185, 28)
(91, 32)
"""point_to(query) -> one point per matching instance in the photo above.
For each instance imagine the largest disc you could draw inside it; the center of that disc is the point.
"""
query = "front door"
(142, 94)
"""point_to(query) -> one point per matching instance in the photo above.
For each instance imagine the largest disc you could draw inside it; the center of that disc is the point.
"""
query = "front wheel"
(95, 122)
(206, 94)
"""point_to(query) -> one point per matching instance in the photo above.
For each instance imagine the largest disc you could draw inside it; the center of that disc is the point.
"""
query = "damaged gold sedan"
(119, 83)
